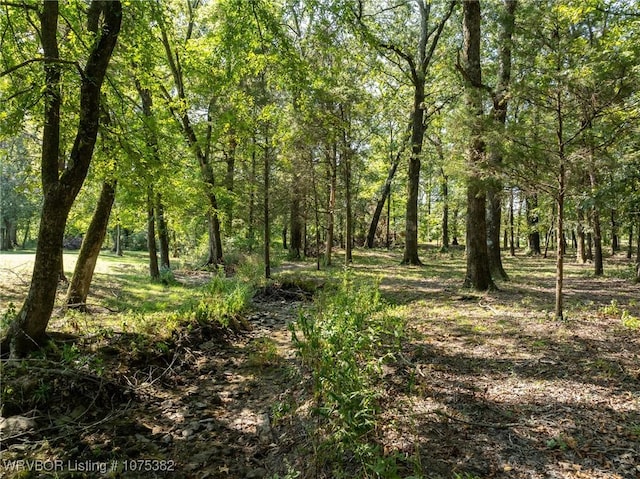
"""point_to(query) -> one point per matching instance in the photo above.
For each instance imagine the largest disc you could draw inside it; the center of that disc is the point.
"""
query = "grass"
(407, 368)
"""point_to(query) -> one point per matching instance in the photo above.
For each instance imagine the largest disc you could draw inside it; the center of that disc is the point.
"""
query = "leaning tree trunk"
(478, 275)
(90, 249)
(386, 191)
(28, 329)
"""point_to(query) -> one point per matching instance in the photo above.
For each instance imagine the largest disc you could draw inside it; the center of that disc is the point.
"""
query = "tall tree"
(28, 329)
(478, 275)
(499, 114)
(414, 60)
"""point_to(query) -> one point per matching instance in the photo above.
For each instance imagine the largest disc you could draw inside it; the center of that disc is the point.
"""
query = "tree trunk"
(332, 173)
(598, 263)
(581, 255)
(630, 245)
(417, 136)
(117, 244)
(386, 189)
(154, 202)
(163, 233)
(252, 197)
(202, 154)
(267, 223)
(295, 223)
(500, 106)
(444, 184)
(28, 329)
(533, 220)
(348, 251)
(494, 213)
(615, 241)
(230, 160)
(90, 249)
(454, 228)
(512, 247)
(152, 247)
(478, 275)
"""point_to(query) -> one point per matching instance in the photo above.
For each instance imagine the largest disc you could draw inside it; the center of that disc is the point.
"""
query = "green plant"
(263, 352)
(167, 277)
(612, 309)
(222, 300)
(291, 474)
(69, 353)
(344, 340)
(7, 317)
(629, 321)
(42, 392)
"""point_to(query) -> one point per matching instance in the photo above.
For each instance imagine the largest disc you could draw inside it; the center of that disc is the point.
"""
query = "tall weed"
(344, 340)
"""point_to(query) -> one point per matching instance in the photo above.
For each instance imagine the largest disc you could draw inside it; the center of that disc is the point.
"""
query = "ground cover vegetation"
(331, 239)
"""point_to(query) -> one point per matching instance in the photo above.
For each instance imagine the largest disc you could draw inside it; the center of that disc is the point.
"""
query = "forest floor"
(484, 385)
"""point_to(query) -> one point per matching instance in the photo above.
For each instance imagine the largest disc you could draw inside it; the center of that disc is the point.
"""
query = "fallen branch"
(491, 425)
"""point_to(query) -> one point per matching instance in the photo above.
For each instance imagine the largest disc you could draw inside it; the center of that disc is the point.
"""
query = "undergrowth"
(344, 340)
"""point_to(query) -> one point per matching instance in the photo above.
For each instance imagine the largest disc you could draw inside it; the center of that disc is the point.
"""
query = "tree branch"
(42, 59)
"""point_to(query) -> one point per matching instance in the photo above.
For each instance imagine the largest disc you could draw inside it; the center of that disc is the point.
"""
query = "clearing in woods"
(483, 385)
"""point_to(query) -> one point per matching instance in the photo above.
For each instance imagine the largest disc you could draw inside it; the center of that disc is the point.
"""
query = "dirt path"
(212, 412)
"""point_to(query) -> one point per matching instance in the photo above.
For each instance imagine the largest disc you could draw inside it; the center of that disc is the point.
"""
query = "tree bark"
(163, 233)
(267, 223)
(598, 263)
(295, 222)
(417, 137)
(386, 192)
(478, 275)
(230, 160)
(581, 255)
(444, 183)
(375, 219)
(533, 220)
(90, 249)
(28, 329)
(332, 173)
(500, 106)
(152, 246)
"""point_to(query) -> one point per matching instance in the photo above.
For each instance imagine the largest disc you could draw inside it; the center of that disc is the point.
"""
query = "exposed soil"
(206, 409)
(487, 386)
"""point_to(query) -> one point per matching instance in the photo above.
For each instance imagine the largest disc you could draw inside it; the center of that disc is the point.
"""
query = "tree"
(478, 275)
(499, 114)
(28, 329)
(414, 58)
